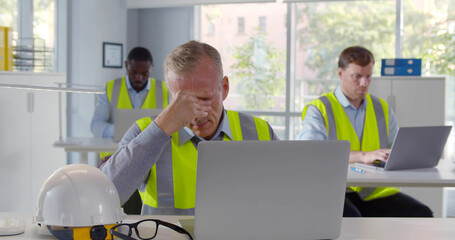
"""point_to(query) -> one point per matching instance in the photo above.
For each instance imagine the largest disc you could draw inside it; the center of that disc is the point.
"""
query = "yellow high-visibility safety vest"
(117, 94)
(375, 132)
(184, 159)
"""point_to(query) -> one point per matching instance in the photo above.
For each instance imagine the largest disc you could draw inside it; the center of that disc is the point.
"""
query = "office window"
(44, 34)
(209, 18)
(43, 41)
(241, 25)
(44, 20)
(262, 24)
(210, 28)
(428, 33)
(9, 11)
(318, 31)
(322, 30)
(325, 29)
(8, 14)
(255, 61)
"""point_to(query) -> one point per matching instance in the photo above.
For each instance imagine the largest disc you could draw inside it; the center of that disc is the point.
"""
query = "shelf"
(31, 54)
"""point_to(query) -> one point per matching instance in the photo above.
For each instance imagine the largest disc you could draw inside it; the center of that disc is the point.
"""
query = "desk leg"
(83, 157)
(448, 204)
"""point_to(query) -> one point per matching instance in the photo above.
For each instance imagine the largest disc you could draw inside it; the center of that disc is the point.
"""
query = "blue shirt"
(101, 125)
(313, 125)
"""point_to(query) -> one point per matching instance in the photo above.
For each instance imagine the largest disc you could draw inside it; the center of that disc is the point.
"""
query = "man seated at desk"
(351, 113)
(159, 157)
(131, 91)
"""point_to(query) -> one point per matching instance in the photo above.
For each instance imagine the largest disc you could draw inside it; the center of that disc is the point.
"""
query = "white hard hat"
(78, 195)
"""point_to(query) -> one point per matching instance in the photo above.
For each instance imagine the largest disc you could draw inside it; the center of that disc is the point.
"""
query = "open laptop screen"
(415, 147)
(124, 118)
(270, 189)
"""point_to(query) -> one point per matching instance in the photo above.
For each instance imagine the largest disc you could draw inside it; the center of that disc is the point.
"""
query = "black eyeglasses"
(145, 229)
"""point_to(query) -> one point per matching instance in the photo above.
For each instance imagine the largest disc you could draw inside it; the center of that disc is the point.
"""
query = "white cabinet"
(416, 101)
(28, 128)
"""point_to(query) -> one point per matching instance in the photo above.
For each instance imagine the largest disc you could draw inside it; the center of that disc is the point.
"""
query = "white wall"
(132, 29)
(90, 23)
(160, 30)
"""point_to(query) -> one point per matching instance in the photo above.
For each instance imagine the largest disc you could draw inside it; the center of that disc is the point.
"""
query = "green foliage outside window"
(440, 59)
(8, 13)
(325, 29)
(259, 72)
(441, 52)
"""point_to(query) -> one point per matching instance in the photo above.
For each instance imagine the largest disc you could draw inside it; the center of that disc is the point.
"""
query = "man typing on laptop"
(160, 157)
(351, 113)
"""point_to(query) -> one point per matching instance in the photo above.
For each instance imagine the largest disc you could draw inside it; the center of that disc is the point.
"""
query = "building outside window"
(241, 25)
(255, 62)
(210, 28)
(262, 24)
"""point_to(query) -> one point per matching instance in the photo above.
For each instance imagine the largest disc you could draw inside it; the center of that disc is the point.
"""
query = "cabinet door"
(45, 131)
(418, 102)
(15, 154)
(381, 87)
(28, 128)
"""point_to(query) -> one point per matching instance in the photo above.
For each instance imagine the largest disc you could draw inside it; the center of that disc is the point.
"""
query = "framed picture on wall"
(112, 55)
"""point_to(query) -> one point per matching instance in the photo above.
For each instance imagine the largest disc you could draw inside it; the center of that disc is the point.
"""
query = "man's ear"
(225, 87)
(340, 72)
(126, 65)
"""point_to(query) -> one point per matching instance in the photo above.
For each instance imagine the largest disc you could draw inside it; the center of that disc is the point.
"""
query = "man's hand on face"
(185, 107)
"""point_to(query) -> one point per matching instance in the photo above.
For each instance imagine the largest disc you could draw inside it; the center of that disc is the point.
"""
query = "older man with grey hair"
(159, 157)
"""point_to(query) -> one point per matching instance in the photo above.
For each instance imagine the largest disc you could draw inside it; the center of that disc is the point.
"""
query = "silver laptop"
(415, 147)
(124, 118)
(270, 189)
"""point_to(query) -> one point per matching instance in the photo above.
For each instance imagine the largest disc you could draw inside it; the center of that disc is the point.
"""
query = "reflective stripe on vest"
(118, 96)
(184, 160)
(374, 136)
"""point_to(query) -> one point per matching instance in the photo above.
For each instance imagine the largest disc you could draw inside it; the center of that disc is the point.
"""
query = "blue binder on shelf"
(401, 67)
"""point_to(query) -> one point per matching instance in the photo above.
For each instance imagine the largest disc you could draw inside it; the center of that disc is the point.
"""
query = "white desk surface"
(441, 176)
(87, 144)
(352, 228)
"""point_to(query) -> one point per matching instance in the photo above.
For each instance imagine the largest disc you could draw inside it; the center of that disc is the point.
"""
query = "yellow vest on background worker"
(118, 96)
(184, 160)
(374, 137)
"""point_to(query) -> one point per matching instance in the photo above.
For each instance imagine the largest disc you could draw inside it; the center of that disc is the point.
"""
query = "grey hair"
(186, 57)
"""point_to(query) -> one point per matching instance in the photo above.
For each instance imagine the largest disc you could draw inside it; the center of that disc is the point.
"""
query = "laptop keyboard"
(379, 163)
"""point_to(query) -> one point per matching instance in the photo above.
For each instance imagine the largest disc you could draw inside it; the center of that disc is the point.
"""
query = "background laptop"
(270, 189)
(124, 118)
(415, 147)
